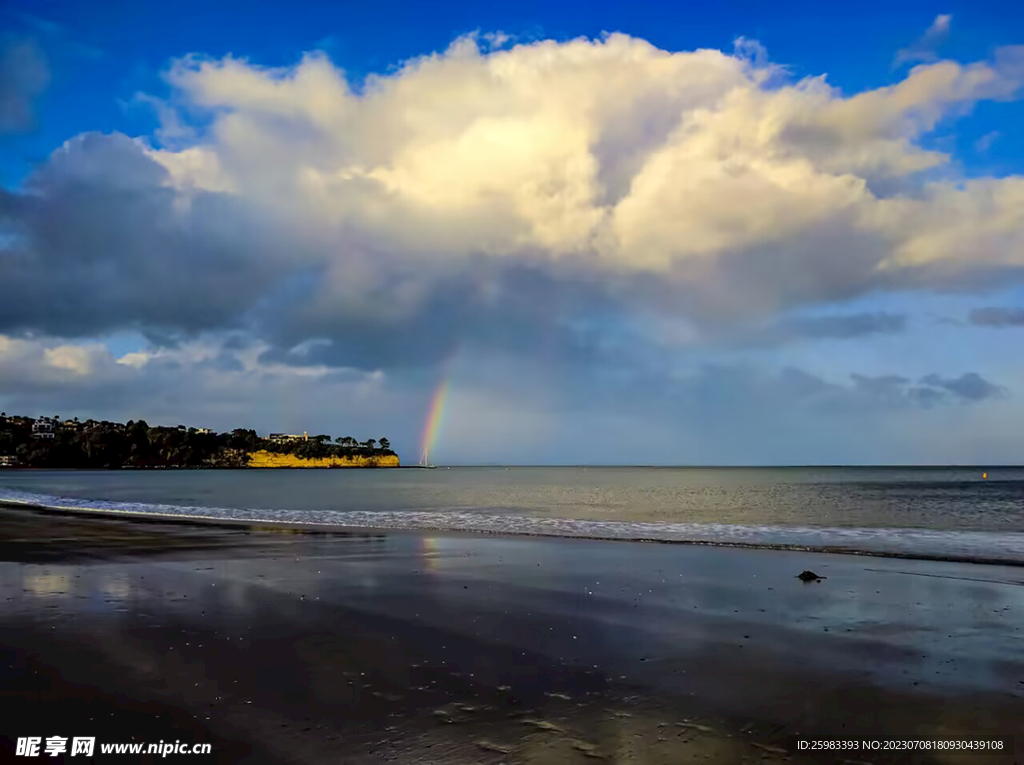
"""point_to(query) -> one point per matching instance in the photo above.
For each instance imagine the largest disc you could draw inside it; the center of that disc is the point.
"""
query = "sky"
(529, 233)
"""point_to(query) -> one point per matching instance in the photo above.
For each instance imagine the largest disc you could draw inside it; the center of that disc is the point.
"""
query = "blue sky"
(103, 55)
(662, 246)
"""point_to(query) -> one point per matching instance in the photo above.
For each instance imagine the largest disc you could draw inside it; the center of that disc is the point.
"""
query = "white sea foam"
(989, 546)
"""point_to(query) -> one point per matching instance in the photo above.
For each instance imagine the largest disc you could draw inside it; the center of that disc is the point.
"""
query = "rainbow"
(435, 414)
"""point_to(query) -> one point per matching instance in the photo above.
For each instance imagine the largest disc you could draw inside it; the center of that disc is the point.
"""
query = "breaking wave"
(972, 546)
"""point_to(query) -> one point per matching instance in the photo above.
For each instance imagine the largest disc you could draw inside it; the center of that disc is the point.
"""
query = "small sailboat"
(425, 461)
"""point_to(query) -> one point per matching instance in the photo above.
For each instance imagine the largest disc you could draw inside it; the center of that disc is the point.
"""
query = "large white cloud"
(612, 150)
(504, 197)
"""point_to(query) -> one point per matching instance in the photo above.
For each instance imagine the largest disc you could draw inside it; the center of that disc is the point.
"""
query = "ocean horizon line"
(752, 466)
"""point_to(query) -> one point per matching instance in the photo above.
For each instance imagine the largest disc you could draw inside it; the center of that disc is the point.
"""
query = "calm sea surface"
(932, 512)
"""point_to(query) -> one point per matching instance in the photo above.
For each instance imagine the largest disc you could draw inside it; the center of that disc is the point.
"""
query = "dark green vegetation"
(52, 443)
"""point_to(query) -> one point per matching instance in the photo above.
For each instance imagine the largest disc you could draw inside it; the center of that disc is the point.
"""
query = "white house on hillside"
(43, 428)
(284, 438)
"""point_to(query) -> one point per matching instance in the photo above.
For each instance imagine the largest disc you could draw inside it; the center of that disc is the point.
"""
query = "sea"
(946, 513)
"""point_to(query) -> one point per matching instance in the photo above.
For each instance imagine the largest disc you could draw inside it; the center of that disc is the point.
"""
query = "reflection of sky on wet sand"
(308, 627)
(587, 600)
(429, 554)
(117, 589)
(46, 585)
(896, 621)
(61, 591)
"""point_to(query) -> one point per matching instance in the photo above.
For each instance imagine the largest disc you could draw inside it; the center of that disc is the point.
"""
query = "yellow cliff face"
(265, 459)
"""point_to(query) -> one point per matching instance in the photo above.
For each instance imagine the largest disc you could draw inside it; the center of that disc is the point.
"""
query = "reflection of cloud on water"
(47, 585)
(116, 589)
(84, 589)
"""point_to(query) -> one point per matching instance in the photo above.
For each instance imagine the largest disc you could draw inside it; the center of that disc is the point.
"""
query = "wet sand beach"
(277, 646)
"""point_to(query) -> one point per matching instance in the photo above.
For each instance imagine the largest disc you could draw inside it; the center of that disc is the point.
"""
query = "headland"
(68, 444)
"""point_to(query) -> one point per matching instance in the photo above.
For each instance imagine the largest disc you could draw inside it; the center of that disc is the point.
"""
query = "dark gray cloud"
(968, 387)
(848, 326)
(24, 75)
(834, 327)
(793, 389)
(98, 242)
(867, 391)
(515, 307)
(997, 317)
(927, 398)
(889, 388)
(830, 261)
(929, 391)
(732, 392)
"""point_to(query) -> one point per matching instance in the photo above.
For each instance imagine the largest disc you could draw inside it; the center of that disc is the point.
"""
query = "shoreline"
(314, 528)
(466, 648)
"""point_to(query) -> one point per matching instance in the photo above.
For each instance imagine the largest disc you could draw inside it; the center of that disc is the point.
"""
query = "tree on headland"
(135, 444)
(244, 439)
